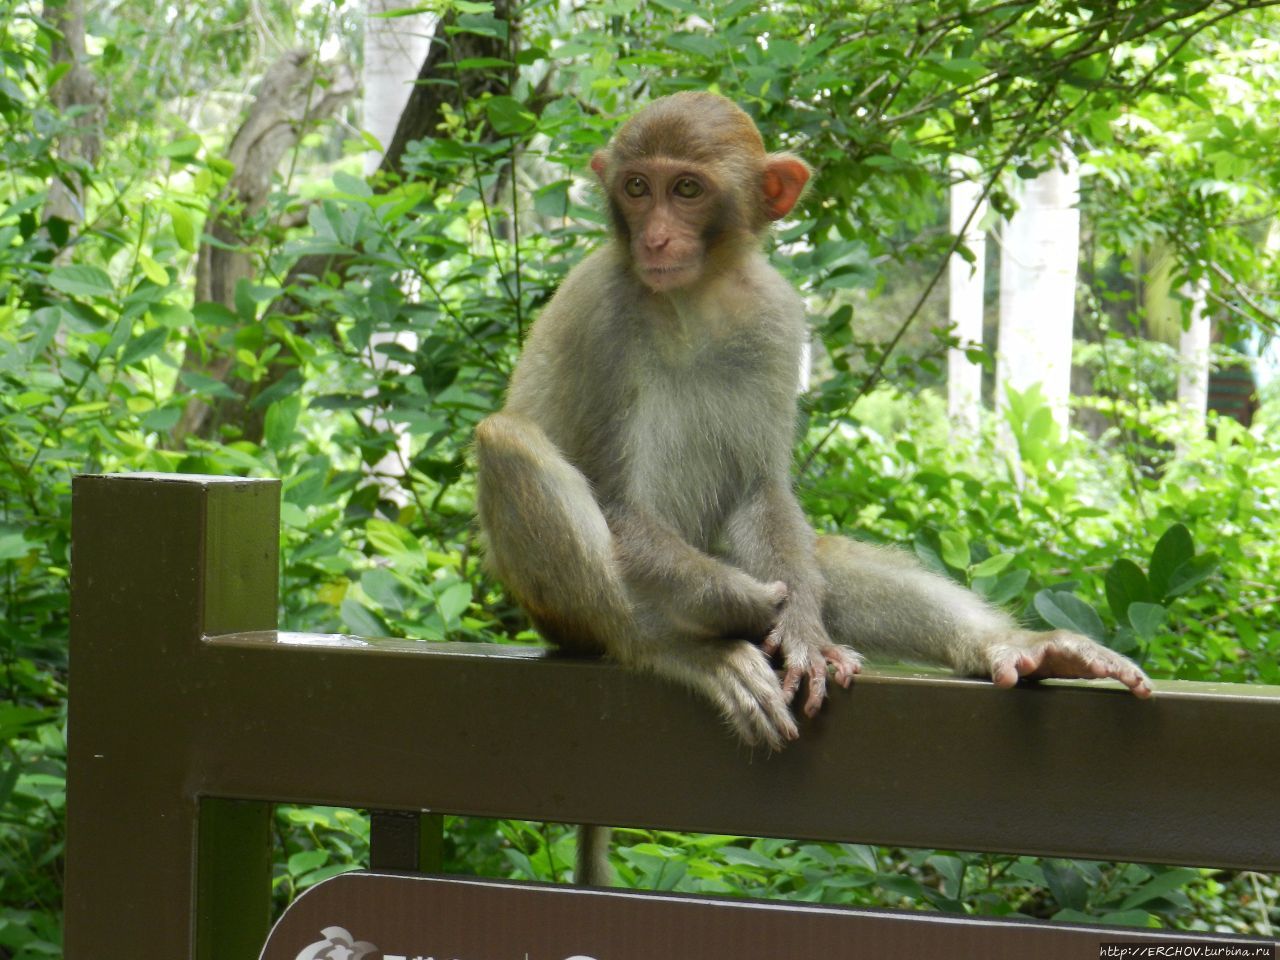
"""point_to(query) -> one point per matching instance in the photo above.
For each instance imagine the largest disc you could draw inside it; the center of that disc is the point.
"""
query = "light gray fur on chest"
(698, 437)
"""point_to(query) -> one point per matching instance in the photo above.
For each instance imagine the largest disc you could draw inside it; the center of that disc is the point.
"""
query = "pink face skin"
(668, 208)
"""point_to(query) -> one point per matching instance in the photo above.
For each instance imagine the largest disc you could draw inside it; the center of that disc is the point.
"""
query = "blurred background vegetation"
(209, 263)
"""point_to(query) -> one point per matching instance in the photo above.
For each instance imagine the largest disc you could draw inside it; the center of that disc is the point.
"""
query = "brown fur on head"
(705, 138)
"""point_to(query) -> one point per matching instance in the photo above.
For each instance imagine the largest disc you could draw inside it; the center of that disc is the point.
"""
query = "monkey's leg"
(882, 601)
(549, 543)
(546, 538)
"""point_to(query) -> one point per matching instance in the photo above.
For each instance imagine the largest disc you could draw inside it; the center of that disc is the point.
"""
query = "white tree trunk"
(1193, 351)
(964, 377)
(394, 50)
(1038, 256)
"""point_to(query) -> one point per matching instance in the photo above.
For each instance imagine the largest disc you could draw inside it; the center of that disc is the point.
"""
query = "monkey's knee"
(502, 437)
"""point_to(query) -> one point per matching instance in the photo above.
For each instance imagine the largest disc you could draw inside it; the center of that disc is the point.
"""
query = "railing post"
(159, 562)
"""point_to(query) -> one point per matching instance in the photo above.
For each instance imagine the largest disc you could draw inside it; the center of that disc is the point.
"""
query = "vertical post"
(160, 562)
(406, 842)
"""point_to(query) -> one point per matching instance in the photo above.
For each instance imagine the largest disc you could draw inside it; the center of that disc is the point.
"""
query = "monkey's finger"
(791, 682)
(817, 674)
(1007, 665)
(772, 642)
(845, 663)
(1068, 657)
(753, 700)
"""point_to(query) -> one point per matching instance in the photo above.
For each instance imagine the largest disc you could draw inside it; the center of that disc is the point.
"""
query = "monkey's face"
(672, 212)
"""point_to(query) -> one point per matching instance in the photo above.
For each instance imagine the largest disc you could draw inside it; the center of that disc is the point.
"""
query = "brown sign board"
(370, 916)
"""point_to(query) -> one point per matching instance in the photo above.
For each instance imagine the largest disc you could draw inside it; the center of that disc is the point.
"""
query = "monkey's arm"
(703, 594)
(769, 537)
(884, 602)
(548, 540)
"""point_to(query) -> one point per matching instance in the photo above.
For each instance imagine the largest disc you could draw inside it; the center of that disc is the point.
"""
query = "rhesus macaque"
(635, 490)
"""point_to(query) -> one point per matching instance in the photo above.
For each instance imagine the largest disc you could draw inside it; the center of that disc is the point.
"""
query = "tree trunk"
(1039, 252)
(1193, 355)
(77, 88)
(437, 84)
(288, 102)
(394, 50)
(967, 281)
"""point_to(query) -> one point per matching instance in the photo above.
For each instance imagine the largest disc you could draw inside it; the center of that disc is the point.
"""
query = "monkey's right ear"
(600, 163)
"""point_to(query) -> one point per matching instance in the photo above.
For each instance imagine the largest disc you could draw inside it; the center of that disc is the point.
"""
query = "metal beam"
(182, 691)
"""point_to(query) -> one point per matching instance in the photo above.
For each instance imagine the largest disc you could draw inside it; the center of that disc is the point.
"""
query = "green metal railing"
(190, 715)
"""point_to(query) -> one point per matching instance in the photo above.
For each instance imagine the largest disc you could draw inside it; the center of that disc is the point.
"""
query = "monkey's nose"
(657, 243)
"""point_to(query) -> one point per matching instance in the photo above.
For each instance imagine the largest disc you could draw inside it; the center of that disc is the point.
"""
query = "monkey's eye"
(635, 187)
(688, 188)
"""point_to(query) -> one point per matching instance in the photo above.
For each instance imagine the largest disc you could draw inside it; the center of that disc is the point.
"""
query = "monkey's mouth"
(664, 275)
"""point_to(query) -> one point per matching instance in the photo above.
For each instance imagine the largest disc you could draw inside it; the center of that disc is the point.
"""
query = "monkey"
(634, 492)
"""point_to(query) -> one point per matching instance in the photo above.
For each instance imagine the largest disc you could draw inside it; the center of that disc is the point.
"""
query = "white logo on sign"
(337, 945)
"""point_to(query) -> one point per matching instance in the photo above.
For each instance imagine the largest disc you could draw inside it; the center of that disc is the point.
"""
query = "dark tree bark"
(288, 102)
(422, 115)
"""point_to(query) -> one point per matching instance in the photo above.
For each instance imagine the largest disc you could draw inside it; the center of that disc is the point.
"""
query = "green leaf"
(206, 386)
(214, 315)
(154, 272)
(482, 25)
(362, 620)
(352, 186)
(390, 539)
(185, 147)
(1009, 586)
(552, 200)
(1190, 573)
(955, 549)
(1146, 618)
(453, 601)
(1066, 883)
(171, 315)
(382, 587)
(1172, 550)
(1066, 611)
(928, 548)
(1126, 584)
(1160, 885)
(280, 422)
(992, 565)
(184, 228)
(508, 116)
(147, 345)
(15, 719)
(82, 280)
(307, 860)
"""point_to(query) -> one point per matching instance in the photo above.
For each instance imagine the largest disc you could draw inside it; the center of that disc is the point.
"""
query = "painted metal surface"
(184, 696)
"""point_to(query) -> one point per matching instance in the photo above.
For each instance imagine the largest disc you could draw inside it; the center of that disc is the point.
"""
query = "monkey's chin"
(668, 278)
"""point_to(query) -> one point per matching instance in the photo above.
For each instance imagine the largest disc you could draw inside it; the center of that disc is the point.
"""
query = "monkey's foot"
(747, 691)
(1062, 654)
(809, 660)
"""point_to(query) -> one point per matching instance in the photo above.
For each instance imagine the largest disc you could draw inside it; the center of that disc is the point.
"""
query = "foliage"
(385, 314)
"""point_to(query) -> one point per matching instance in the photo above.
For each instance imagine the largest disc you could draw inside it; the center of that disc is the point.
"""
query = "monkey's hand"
(807, 652)
(746, 689)
(1064, 654)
